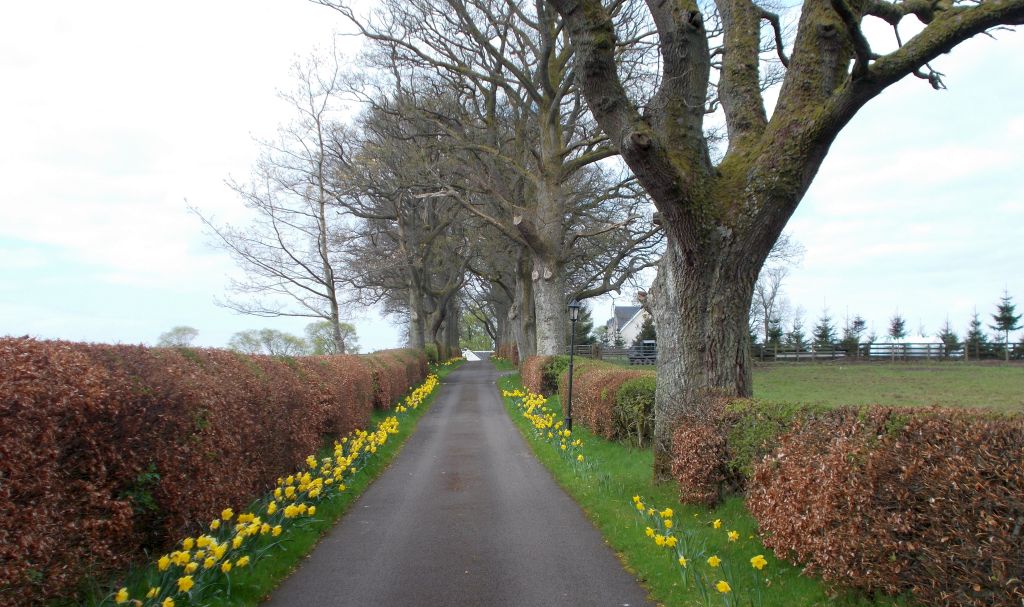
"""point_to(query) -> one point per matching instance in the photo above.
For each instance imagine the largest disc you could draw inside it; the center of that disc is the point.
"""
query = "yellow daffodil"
(153, 591)
(227, 513)
(276, 531)
(717, 524)
(649, 532)
(659, 540)
(237, 541)
(311, 511)
(271, 508)
(579, 457)
(671, 541)
(242, 562)
(723, 586)
(667, 513)
(191, 568)
(168, 602)
(636, 499)
(121, 596)
(163, 563)
(188, 543)
(714, 561)
(758, 562)
(209, 562)
(264, 529)
(226, 567)
(682, 561)
(185, 583)
(733, 536)
(215, 524)
(668, 523)
(202, 541)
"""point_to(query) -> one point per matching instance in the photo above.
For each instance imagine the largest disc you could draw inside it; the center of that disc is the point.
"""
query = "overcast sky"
(115, 112)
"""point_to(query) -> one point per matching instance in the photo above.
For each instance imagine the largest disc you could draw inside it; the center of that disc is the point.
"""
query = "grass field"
(992, 385)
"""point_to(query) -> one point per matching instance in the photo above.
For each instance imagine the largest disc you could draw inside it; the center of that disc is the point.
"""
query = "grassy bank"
(604, 488)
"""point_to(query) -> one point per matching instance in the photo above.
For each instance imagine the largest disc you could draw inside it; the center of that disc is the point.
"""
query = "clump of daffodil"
(546, 426)
(236, 540)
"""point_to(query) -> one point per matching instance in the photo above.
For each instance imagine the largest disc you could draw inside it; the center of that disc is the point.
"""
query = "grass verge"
(604, 489)
(251, 585)
(503, 364)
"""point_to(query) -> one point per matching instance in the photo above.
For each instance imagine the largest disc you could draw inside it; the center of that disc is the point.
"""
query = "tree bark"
(417, 331)
(521, 315)
(549, 289)
(700, 310)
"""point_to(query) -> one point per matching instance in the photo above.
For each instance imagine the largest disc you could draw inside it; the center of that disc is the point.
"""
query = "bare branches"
(780, 48)
(861, 48)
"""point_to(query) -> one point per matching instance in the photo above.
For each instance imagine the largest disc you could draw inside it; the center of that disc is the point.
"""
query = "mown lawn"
(997, 386)
(604, 489)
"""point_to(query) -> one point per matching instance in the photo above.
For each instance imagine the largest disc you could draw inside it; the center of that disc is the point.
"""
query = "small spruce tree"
(795, 338)
(975, 342)
(774, 334)
(897, 331)
(1006, 320)
(824, 331)
(950, 340)
(851, 334)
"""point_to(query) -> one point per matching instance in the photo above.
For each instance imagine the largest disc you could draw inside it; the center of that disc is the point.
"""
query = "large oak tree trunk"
(549, 292)
(417, 329)
(521, 315)
(701, 309)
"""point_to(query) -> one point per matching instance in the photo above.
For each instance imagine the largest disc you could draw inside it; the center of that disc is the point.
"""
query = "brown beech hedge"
(928, 502)
(110, 451)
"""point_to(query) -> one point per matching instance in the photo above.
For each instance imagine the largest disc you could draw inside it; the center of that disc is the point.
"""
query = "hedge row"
(613, 402)
(928, 502)
(922, 501)
(110, 451)
(715, 451)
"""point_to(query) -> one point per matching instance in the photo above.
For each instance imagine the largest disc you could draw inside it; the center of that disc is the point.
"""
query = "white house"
(626, 322)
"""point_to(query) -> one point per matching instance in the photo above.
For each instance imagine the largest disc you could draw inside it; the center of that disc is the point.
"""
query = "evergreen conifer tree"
(1006, 320)
(584, 327)
(795, 338)
(897, 331)
(950, 340)
(775, 333)
(975, 342)
(851, 335)
(824, 331)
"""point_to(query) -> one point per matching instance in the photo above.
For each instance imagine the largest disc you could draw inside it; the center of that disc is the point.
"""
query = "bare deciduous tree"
(289, 266)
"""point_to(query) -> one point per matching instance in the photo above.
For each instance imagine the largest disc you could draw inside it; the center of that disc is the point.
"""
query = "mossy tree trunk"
(722, 219)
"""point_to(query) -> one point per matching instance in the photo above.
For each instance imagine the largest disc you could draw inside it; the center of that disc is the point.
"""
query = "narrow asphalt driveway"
(465, 515)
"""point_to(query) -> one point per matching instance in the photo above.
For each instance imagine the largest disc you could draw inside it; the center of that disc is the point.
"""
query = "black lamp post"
(574, 315)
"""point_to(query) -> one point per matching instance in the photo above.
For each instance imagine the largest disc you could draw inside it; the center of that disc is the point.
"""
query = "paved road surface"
(464, 516)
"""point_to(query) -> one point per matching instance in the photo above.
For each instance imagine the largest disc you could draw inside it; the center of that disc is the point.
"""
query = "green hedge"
(627, 413)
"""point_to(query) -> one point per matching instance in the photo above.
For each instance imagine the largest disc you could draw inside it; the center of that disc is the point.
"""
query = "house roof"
(623, 314)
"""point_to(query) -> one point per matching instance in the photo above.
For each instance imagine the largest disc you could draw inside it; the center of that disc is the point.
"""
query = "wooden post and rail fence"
(645, 353)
